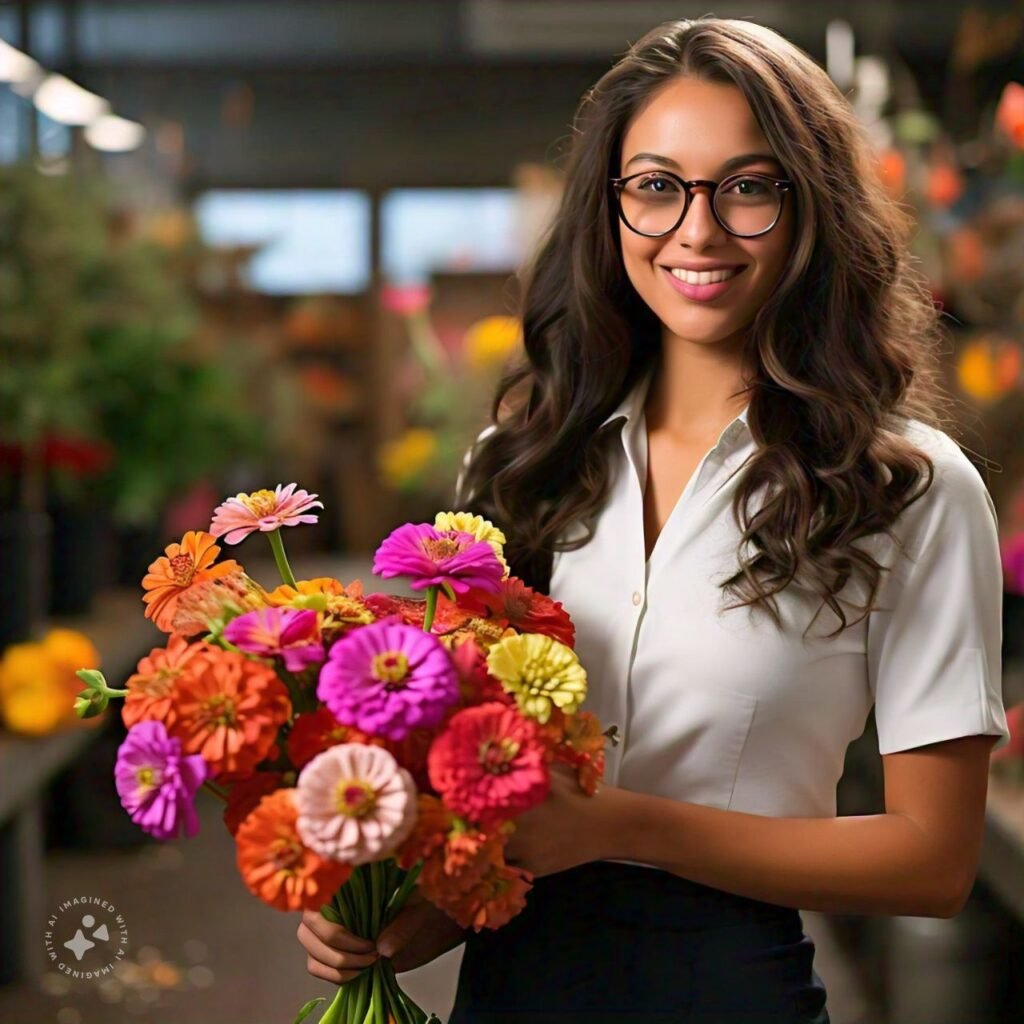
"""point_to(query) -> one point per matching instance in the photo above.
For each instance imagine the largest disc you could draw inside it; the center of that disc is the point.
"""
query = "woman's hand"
(419, 933)
(333, 953)
(567, 829)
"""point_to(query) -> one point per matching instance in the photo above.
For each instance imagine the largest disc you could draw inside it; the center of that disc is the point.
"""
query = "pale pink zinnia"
(432, 557)
(356, 804)
(262, 510)
(285, 632)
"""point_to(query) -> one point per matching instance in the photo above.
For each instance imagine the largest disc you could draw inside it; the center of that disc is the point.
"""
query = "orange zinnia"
(229, 710)
(173, 573)
(274, 864)
(151, 688)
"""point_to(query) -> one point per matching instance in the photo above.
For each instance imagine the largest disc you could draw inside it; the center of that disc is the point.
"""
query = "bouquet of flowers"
(363, 743)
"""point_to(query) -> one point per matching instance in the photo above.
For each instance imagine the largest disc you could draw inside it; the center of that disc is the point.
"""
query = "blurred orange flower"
(179, 568)
(274, 864)
(150, 688)
(229, 710)
(1010, 113)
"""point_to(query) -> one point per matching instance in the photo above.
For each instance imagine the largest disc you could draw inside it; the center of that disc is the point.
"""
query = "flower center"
(441, 548)
(147, 777)
(285, 854)
(391, 668)
(183, 568)
(220, 710)
(260, 503)
(355, 798)
(496, 756)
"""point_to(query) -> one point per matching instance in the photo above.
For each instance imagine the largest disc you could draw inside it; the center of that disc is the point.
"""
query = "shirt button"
(637, 597)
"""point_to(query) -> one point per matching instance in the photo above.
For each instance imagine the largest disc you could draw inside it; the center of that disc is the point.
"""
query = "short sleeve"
(486, 432)
(934, 641)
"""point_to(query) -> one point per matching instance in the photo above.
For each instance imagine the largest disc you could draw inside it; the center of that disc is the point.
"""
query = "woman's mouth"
(705, 286)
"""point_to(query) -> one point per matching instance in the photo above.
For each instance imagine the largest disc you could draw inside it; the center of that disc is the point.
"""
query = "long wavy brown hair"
(845, 350)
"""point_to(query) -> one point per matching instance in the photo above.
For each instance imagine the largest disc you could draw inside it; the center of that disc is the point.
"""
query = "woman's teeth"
(704, 276)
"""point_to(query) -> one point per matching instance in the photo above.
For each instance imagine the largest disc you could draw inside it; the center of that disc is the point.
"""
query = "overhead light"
(114, 134)
(16, 66)
(63, 101)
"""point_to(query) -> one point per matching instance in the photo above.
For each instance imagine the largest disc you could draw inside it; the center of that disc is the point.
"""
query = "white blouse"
(723, 708)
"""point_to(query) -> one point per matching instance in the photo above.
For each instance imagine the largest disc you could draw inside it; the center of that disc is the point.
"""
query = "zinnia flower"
(151, 687)
(284, 632)
(540, 672)
(343, 606)
(387, 678)
(489, 764)
(262, 510)
(210, 603)
(521, 607)
(356, 803)
(156, 783)
(274, 863)
(482, 529)
(432, 557)
(181, 567)
(229, 710)
(316, 731)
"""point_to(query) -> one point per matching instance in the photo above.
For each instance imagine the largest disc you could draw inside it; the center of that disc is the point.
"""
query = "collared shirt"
(725, 708)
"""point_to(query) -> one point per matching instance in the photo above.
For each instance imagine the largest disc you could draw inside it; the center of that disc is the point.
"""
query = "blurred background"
(245, 243)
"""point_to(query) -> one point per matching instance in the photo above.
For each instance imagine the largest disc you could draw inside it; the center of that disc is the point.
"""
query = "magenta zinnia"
(432, 557)
(489, 764)
(356, 803)
(291, 634)
(262, 510)
(157, 785)
(389, 678)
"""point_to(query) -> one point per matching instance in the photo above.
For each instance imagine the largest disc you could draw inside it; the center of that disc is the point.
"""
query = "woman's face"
(694, 128)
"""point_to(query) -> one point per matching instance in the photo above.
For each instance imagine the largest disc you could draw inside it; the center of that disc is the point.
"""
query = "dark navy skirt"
(623, 944)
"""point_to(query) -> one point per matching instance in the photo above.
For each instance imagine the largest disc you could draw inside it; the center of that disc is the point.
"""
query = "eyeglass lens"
(653, 204)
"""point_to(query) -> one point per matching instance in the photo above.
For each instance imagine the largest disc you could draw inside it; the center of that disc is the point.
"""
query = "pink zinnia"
(488, 765)
(262, 510)
(433, 557)
(356, 804)
(388, 678)
(157, 786)
(284, 632)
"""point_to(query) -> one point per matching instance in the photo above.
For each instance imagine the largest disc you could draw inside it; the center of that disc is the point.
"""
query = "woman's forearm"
(864, 864)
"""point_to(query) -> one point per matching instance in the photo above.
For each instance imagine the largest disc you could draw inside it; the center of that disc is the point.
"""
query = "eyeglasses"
(654, 203)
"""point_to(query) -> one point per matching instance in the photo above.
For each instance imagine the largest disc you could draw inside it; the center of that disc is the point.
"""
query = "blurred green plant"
(95, 340)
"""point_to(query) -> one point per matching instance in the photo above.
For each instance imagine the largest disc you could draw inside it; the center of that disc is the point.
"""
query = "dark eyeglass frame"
(784, 185)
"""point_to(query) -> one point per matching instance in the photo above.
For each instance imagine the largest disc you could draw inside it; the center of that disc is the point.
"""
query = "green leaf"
(308, 1009)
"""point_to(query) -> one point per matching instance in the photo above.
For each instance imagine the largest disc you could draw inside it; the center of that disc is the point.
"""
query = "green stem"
(277, 546)
(428, 618)
(215, 790)
(397, 901)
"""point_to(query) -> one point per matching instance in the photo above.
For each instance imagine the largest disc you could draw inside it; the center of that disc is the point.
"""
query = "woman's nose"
(699, 224)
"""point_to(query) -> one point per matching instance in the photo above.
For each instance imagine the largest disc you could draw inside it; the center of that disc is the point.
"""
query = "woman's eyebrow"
(730, 164)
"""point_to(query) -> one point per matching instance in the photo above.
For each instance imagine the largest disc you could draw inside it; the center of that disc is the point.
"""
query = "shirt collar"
(633, 402)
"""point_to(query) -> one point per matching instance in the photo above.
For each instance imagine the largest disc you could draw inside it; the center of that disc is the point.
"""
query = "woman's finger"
(334, 934)
(325, 973)
(331, 956)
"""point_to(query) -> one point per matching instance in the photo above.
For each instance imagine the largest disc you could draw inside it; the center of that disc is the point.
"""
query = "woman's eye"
(747, 187)
(656, 184)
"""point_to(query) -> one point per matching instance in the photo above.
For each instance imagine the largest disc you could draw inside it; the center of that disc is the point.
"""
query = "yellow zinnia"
(481, 528)
(539, 671)
(407, 456)
(33, 697)
(492, 340)
(71, 650)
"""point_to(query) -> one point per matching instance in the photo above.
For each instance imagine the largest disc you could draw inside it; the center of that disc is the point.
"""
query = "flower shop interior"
(247, 244)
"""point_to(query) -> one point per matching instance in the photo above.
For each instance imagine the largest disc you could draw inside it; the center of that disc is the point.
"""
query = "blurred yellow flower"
(539, 672)
(988, 367)
(481, 528)
(492, 340)
(407, 456)
(38, 684)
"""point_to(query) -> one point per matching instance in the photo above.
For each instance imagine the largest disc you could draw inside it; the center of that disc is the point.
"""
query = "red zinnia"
(521, 607)
(489, 764)
(314, 731)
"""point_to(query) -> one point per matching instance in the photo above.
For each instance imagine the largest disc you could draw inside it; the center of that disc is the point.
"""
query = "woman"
(722, 454)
